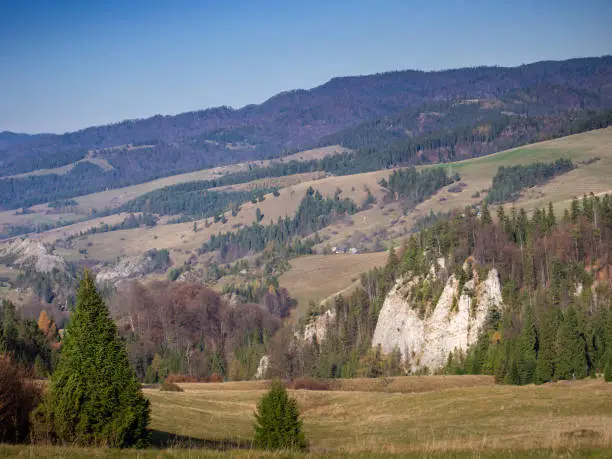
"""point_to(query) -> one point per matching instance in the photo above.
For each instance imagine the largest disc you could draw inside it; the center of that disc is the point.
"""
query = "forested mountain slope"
(445, 114)
(524, 298)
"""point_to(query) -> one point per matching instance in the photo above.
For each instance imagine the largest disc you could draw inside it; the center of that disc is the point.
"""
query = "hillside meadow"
(431, 416)
(477, 173)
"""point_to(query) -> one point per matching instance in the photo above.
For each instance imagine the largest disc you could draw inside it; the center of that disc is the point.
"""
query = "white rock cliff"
(426, 342)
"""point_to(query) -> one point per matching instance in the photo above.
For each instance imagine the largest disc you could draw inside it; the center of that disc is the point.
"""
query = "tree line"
(434, 145)
(510, 180)
(314, 212)
(192, 200)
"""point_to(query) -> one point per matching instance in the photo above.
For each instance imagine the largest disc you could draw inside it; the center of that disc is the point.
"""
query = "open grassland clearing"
(316, 277)
(435, 417)
(63, 170)
(478, 173)
(472, 415)
(77, 228)
(197, 451)
(273, 182)
(180, 236)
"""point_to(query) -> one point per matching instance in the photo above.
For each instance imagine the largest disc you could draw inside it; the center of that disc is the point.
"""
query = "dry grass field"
(180, 237)
(316, 277)
(473, 415)
(434, 417)
(595, 177)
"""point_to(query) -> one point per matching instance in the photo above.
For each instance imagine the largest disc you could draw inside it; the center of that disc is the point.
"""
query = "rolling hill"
(433, 115)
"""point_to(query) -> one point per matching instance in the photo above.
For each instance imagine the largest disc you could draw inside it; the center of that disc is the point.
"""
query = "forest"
(315, 212)
(191, 200)
(186, 329)
(549, 329)
(510, 180)
(30, 343)
(484, 137)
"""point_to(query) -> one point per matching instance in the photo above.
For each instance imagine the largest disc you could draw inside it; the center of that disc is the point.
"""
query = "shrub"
(94, 397)
(170, 387)
(17, 399)
(277, 421)
(215, 378)
(308, 384)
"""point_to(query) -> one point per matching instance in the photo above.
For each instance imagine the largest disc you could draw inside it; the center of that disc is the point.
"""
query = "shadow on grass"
(163, 440)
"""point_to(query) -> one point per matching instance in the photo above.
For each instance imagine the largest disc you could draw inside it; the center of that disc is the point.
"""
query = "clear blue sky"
(65, 65)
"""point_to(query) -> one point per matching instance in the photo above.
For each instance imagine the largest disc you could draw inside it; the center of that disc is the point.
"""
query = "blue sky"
(65, 65)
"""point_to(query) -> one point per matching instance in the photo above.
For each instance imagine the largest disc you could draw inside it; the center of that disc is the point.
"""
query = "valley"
(407, 263)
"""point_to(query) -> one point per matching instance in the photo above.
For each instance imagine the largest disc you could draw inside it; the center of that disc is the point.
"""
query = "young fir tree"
(94, 397)
(278, 425)
(571, 360)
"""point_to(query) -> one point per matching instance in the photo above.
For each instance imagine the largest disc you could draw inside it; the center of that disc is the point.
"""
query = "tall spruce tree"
(277, 421)
(528, 345)
(571, 359)
(94, 396)
(545, 366)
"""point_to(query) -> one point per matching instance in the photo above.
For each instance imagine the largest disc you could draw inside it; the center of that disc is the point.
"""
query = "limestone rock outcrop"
(454, 322)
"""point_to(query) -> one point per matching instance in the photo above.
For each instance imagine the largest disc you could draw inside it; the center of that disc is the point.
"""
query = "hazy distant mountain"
(363, 111)
(8, 138)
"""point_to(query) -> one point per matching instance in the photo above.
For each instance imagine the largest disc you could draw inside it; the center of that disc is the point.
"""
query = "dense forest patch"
(509, 181)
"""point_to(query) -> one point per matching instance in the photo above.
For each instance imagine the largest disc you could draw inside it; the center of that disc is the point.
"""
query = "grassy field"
(478, 173)
(316, 277)
(437, 416)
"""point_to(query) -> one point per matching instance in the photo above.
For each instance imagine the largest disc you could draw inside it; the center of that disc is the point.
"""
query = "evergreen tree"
(546, 353)
(94, 397)
(552, 221)
(277, 421)
(571, 359)
(608, 367)
(528, 344)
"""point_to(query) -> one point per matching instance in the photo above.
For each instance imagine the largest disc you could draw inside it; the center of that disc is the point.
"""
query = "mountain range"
(511, 105)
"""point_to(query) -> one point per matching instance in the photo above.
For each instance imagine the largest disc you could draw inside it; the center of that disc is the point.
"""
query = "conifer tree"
(608, 366)
(546, 352)
(528, 343)
(608, 347)
(552, 221)
(94, 397)
(571, 359)
(278, 425)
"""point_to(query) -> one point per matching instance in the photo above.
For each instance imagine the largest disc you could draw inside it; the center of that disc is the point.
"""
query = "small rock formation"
(28, 253)
(318, 326)
(454, 322)
(126, 268)
(262, 368)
